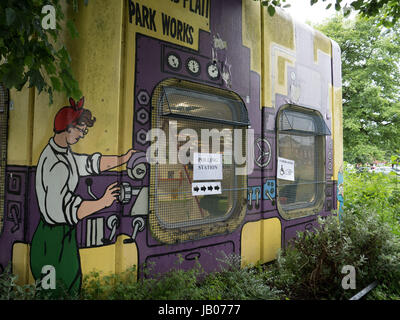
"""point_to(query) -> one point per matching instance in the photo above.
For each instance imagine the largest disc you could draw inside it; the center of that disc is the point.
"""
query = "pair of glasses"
(83, 131)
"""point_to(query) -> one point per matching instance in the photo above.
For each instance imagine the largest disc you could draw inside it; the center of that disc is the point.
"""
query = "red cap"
(68, 115)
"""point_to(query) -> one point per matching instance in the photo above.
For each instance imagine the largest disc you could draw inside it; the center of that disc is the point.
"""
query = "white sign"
(285, 170)
(205, 188)
(207, 166)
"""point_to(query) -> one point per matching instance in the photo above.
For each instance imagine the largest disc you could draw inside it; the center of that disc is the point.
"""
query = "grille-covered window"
(3, 147)
(301, 153)
(186, 111)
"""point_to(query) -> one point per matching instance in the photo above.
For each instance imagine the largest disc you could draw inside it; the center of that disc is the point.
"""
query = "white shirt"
(57, 177)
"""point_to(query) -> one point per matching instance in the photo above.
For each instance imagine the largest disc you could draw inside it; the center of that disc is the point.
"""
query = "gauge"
(212, 71)
(174, 62)
(193, 66)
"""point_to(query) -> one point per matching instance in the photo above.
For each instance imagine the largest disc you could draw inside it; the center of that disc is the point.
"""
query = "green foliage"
(374, 192)
(310, 268)
(386, 11)
(371, 91)
(9, 290)
(236, 283)
(231, 283)
(32, 55)
(367, 237)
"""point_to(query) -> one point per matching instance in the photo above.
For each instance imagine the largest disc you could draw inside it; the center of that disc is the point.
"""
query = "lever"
(125, 195)
(138, 226)
(113, 224)
(89, 183)
(257, 194)
(250, 194)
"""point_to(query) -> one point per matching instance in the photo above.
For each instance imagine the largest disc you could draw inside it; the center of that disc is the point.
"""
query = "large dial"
(212, 71)
(174, 62)
(193, 66)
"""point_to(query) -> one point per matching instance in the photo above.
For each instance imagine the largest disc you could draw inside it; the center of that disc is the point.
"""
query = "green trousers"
(57, 246)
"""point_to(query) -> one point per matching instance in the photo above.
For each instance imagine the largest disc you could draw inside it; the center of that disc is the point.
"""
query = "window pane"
(301, 140)
(195, 119)
(175, 204)
(203, 106)
(301, 149)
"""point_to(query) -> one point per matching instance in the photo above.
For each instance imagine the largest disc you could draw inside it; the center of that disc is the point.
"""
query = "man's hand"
(111, 193)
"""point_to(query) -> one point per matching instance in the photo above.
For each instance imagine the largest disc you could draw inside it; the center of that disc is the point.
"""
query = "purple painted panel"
(207, 256)
(15, 212)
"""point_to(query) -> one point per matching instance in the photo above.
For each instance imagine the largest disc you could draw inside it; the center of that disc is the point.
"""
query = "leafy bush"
(10, 290)
(236, 283)
(311, 266)
(378, 192)
(232, 282)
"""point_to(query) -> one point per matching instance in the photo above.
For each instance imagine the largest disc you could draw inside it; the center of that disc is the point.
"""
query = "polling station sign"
(207, 166)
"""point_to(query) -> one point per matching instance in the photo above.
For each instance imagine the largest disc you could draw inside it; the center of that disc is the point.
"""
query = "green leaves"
(370, 74)
(387, 11)
(33, 55)
(272, 4)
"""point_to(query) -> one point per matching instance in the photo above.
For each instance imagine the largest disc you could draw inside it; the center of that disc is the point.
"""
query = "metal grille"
(197, 105)
(306, 146)
(297, 122)
(3, 147)
(175, 214)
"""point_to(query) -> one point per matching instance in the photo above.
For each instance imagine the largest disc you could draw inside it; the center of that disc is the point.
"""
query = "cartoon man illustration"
(54, 241)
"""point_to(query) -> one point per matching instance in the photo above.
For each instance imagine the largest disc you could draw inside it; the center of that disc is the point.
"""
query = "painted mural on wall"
(54, 242)
(62, 206)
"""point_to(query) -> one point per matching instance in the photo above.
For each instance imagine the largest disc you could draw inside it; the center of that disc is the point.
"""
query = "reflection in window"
(301, 138)
(186, 112)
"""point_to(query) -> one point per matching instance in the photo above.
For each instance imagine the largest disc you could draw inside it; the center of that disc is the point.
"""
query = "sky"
(301, 10)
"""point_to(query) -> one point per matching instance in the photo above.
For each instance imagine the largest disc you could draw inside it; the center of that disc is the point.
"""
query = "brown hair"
(86, 118)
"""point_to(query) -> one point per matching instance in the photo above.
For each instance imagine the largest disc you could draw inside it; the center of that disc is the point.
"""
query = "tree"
(387, 11)
(34, 55)
(371, 90)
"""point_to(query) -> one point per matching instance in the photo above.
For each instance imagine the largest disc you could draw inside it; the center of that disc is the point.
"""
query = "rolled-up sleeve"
(61, 204)
(88, 164)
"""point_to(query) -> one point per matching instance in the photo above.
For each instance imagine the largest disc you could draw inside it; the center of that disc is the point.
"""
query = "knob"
(125, 194)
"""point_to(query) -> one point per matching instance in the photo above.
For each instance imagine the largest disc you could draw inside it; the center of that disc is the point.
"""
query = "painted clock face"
(173, 61)
(212, 71)
(193, 66)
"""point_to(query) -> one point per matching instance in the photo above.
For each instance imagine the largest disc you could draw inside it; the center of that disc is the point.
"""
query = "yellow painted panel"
(260, 241)
(126, 254)
(168, 17)
(322, 43)
(337, 131)
(96, 62)
(110, 259)
(251, 243)
(251, 32)
(19, 127)
(271, 230)
(282, 61)
(21, 263)
(278, 39)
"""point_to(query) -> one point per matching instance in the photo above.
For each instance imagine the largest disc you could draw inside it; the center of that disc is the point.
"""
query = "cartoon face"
(75, 133)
